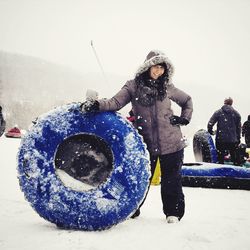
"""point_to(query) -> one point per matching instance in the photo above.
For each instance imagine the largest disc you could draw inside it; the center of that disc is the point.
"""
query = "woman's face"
(156, 71)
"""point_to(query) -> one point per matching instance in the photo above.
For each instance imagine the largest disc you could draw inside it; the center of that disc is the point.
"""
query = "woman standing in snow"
(151, 93)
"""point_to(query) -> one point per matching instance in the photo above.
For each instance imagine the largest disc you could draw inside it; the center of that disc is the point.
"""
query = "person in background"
(2, 122)
(228, 131)
(151, 93)
(246, 131)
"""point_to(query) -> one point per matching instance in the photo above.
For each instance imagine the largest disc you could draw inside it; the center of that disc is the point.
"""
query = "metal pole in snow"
(98, 61)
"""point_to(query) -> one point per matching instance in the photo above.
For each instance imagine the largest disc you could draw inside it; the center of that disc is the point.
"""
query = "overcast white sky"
(208, 41)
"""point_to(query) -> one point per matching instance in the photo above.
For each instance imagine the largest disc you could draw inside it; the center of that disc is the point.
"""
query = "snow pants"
(171, 183)
(232, 147)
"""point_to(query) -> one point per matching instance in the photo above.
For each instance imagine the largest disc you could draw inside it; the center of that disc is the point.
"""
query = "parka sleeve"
(238, 127)
(212, 121)
(183, 100)
(118, 101)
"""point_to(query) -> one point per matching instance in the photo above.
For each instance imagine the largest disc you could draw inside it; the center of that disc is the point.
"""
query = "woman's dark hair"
(159, 85)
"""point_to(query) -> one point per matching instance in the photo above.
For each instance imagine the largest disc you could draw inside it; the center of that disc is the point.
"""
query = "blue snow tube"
(203, 147)
(210, 175)
(86, 171)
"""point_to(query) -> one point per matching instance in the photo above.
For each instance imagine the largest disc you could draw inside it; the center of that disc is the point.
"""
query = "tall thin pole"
(98, 61)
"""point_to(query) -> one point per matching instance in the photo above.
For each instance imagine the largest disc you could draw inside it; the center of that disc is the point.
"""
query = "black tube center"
(85, 157)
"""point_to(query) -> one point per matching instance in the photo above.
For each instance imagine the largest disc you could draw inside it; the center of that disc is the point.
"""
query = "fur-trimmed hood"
(155, 57)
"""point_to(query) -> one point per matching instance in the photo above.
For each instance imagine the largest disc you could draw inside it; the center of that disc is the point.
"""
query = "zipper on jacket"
(155, 139)
(158, 134)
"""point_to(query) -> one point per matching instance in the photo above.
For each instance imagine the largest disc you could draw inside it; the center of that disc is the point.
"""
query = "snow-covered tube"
(210, 175)
(86, 171)
(203, 147)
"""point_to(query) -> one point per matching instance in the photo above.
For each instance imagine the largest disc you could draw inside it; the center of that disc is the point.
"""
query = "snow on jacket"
(152, 121)
(228, 124)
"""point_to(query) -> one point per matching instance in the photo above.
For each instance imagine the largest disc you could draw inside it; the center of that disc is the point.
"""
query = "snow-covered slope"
(214, 219)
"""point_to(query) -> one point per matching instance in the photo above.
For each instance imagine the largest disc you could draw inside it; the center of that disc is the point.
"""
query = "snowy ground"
(214, 219)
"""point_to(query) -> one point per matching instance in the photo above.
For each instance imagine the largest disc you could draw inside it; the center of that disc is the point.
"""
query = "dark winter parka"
(228, 124)
(246, 128)
(2, 122)
(151, 105)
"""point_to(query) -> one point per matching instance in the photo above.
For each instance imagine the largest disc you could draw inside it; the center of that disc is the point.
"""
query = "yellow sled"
(156, 180)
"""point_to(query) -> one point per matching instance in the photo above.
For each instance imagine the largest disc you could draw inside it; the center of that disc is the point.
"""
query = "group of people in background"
(228, 133)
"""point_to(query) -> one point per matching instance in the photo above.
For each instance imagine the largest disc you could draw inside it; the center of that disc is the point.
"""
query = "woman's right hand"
(90, 106)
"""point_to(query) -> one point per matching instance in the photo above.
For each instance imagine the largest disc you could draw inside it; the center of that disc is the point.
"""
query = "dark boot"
(136, 214)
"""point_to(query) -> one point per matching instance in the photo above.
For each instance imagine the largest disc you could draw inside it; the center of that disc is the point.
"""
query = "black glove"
(177, 120)
(90, 106)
